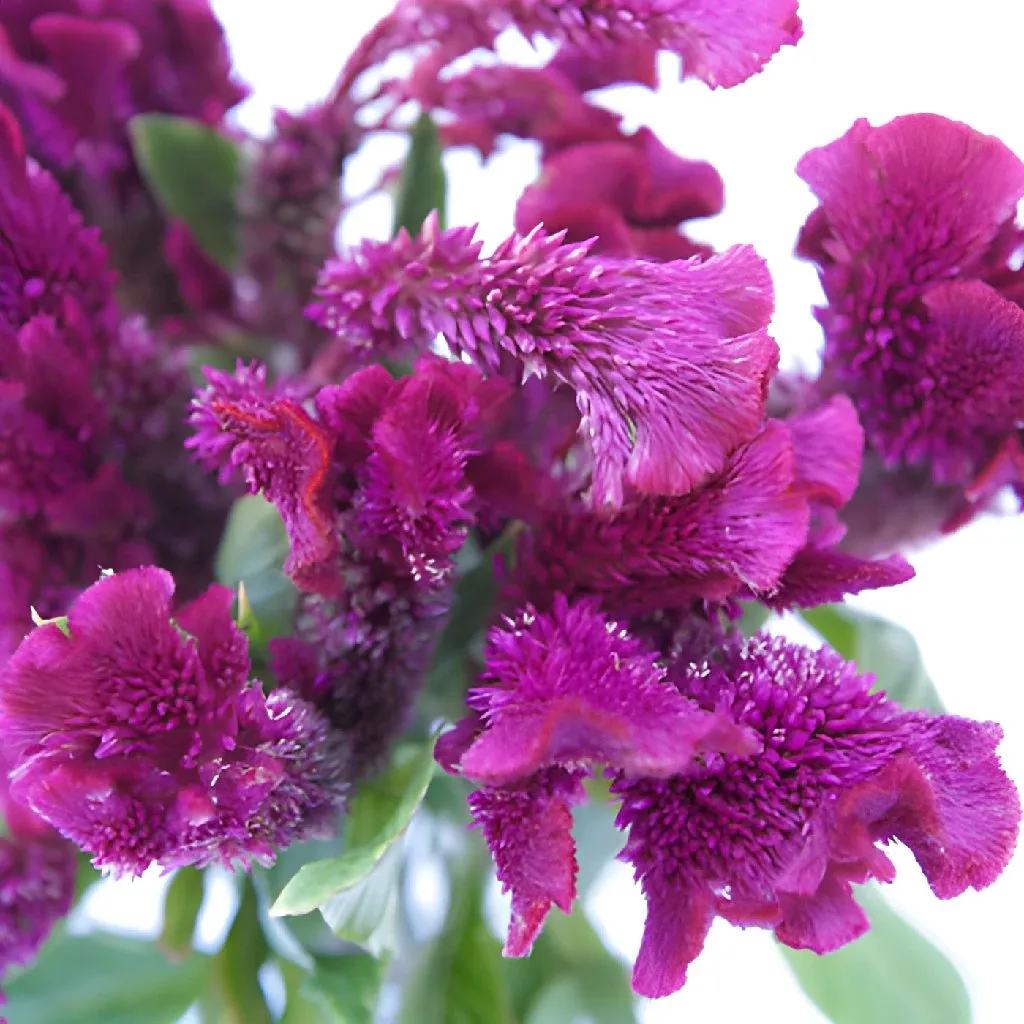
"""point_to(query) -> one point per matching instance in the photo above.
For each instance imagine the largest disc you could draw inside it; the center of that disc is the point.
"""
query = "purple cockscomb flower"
(723, 44)
(92, 473)
(378, 487)
(631, 192)
(914, 240)
(137, 733)
(76, 71)
(775, 839)
(669, 362)
(565, 690)
(738, 531)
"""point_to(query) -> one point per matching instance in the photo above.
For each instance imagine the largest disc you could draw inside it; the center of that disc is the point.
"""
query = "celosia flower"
(565, 690)
(631, 192)
(776, 838)
(378, 487)
(485, 103)
(37, 881)
(915, 241)
(290, 206)
(92, 473)
(76, 71)
(723, 44)
(137, 733)
(669, 361)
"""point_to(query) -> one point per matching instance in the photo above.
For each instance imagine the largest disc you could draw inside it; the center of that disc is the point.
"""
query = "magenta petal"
(824, 921)
(828, 443)
(570, 687)
(977, 809)
(678, 921)
(822, 576)
(529, 832)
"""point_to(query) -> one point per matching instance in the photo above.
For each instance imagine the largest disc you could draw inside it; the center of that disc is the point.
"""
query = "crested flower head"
(669, 362)
(632, 192)
(775, 838)
(378, 486)
(922, 326)
(92, 473)
(564, 691)
(722, 44)
(76, 71)
(136, 732)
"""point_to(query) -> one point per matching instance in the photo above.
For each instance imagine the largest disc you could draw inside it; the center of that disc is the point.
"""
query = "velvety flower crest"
(563, 691)
(914, 240)
(136, 732)
(669, 362)
(776, 838)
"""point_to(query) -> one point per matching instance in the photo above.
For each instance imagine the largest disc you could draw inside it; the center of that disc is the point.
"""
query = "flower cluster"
(545, 481)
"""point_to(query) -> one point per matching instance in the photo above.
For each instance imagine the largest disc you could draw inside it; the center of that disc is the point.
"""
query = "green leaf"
(423, 186)
(891, 975)
(755, 615)
(367, 913)
(195, 174)
(379, 814)
(880, 647)
(348, 987)
(105, 979)
(252, 551)
(182, 903)
(235, 995)
(459, 978)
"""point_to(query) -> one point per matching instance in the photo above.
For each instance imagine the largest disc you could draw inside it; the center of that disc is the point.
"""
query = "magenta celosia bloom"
(775, 839)
(378, 487)
(92, 473)
(565, 690)
(487, 102)
(631, 192)
(37, 881)
(915, 244)
(723, 44)
(570, 686)
(136, 732)
(669, 361)
(77, 70)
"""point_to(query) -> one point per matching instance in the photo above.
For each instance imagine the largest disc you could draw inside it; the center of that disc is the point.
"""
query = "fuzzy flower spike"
(669, 361)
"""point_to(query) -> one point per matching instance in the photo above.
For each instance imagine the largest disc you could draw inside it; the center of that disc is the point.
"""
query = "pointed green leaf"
(423, 186)
(891, 975)
(251, 552)
(182, 903)
(348, 987)
(880, 647)
(195, 174)
(105, 979)
(379, 814)
(367, 913)
(235, 995)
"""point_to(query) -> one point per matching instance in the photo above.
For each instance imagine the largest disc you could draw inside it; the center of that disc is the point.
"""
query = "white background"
(870, 58)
